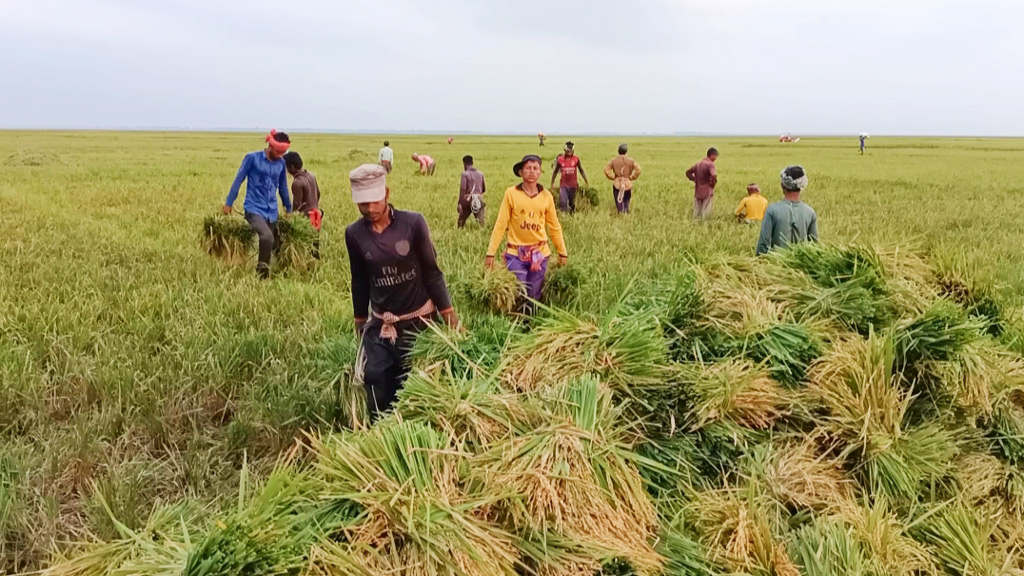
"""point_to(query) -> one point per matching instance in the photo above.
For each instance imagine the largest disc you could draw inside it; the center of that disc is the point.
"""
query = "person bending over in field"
(426, 164)
(527, 214)
(386, 156)
(397, 285)
(264, 172)
(305, 195)
(752, 207)
(567, 165)
(789, 220)
(622, 171)
(471, 193)
(704, 176)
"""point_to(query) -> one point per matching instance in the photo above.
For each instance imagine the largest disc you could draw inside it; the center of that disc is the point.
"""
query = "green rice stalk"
(496, 290)
(563, 285)
(786, 349)
(964, 282)
(941, 333)
(475, 352)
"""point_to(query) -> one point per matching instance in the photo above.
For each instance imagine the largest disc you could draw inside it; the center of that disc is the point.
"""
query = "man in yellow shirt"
(527, 214)
(751, 208)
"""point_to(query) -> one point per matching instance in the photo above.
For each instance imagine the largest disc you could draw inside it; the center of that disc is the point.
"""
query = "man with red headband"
(266, 177)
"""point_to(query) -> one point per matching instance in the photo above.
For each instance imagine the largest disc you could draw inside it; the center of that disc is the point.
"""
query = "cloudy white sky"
(569, 66)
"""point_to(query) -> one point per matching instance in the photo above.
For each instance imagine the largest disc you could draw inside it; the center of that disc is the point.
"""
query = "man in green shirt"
(788, 221)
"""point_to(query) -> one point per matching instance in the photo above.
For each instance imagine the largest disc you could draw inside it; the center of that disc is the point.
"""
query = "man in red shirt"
(567, 165)
(704, 176)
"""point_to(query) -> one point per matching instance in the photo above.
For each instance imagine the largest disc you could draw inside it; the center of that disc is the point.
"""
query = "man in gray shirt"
(788, 221)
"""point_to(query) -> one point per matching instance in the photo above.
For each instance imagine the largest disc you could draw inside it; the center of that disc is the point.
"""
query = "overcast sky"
(569, 66)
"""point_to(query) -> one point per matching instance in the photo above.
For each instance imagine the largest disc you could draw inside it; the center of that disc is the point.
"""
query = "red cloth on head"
(279, 147)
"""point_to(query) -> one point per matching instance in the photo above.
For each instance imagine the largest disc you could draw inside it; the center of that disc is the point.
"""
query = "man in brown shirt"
(471, 193)
(704, 176)
(305, 194)
(622, 171)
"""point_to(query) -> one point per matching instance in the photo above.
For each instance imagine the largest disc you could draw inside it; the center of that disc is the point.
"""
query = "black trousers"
(387, 364)
(267, 232)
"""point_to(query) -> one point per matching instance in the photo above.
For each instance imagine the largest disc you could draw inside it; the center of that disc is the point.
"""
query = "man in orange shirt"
(527, 213)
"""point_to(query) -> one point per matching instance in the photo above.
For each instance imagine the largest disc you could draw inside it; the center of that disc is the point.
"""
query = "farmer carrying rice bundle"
(527, 214)
(265, 177)
(568, 164)
(397, 285)
(789, 220)
(305, 195)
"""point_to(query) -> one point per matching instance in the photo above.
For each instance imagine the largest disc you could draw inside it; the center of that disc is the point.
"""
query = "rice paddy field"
(680, 407)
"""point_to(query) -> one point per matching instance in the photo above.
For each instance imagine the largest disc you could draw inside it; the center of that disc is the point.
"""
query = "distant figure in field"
(622, 171)
(542, 138)
(704, 176)
(471, 193)
(396, 285)
(450, 140)
(386, 156)
(567, 165)
(426, 164)
(789, 220)
(863, 142)
(752, 207)
(305, 195)
(267, 178)
(527, 214)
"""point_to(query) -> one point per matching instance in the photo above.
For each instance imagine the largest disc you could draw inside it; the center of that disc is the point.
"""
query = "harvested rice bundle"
(967, 284)
(590, 196)
(496, 290)
(1005, 428)
(786, 349)
(573, 476)
(564, 284)
(798, 477)
(890, 549)
(865, 407)
(269, 533)
(984, 480)
(962, 540)
(909, 277)
(826, 547)
(976, 376)
(473, 411)
(230, 239)
(941, 333)
(683, 554)
(735, 527)
(160, 547)
(847, 284)
(416, 519)
(734, 391)
(295, 249)
(624, 348)
(475, 352)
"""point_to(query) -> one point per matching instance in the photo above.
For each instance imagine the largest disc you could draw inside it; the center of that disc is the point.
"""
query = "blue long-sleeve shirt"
(266, 179)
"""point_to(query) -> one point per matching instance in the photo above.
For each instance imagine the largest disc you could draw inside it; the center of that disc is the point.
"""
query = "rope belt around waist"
(388, 330)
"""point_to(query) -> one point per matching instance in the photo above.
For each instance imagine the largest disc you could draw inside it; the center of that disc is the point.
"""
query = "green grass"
(135, 368)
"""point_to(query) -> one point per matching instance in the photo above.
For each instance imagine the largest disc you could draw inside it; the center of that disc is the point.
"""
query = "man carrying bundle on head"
(527, 214)
(265, 176)
(305, 195)
(471, 193)
(622, 171)
(567, 165)
(789, 220)
(426, 163)
(397, 285)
